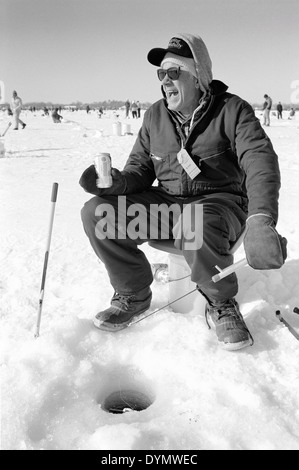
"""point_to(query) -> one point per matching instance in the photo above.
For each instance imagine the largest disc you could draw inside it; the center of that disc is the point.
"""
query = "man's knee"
(206, 225)
(188, 230)
(88, 211)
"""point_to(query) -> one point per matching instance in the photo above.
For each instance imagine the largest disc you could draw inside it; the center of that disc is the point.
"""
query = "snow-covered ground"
(53, 387)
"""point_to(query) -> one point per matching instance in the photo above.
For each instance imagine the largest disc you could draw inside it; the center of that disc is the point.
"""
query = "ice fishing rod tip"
(54, 192)
(278, 315)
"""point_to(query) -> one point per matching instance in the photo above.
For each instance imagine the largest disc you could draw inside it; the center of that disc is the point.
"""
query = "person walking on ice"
(16, 107)
(208, 151)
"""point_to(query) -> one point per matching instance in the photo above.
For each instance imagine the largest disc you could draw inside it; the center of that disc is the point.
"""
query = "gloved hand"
(264, 247)
(88, 182)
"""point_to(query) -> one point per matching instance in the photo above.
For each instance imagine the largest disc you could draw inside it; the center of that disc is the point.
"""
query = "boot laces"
(123, 299)
(230, 310)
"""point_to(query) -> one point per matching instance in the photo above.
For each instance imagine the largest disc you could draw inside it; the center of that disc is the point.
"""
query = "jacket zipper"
(200, 119)
(184, 139)
(214, 155)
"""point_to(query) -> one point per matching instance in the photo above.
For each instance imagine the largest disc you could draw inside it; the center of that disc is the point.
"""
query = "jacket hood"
(203, 63)
(188, 46)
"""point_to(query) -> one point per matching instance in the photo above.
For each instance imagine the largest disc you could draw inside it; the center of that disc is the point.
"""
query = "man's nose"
(166, 80)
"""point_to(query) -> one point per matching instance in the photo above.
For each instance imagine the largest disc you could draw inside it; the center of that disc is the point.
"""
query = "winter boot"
(231, 329)
(124, 309)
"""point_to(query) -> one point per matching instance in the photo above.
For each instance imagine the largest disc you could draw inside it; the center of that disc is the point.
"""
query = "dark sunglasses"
(173, 73)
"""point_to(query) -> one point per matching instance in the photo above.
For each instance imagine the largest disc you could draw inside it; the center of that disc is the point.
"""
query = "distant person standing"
(127, 105)
(279, 110)
(134, 110)
(138, 109)
(266, 108)
(16, 107)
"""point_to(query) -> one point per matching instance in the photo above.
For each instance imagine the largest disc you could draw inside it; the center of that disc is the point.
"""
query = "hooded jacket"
(203, 63)
(227, 142)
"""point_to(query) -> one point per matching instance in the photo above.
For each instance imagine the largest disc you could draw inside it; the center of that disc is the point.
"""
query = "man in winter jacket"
(16, 107)
(279, 110)
(215, 168)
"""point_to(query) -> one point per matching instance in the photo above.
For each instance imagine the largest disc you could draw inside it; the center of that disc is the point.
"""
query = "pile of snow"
(53, 387)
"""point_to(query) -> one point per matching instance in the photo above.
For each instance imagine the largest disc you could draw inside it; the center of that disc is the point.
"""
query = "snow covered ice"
(53, 387)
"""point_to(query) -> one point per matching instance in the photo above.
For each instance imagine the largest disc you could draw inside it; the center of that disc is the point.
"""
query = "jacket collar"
(217, 87)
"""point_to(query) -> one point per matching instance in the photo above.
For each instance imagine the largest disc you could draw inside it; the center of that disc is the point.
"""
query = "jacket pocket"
(166, 166)
(158, 157)
(219, 164)
(213, 153)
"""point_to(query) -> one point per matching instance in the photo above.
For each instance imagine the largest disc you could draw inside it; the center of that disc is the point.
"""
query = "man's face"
(181, 94)
(14, 94)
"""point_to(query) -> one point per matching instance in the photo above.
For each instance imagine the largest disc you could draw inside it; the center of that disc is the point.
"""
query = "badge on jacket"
(187, 163)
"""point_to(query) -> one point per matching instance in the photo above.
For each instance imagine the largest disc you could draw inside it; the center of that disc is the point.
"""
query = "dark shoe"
(15, 129)
(231, 329)
(23, 125)
(124, 309)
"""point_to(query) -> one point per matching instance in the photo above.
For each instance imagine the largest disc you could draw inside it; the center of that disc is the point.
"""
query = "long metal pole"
(8, 126)
(42, 289)
(289, 327)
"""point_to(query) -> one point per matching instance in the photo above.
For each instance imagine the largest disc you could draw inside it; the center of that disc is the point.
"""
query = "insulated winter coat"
(227, 143)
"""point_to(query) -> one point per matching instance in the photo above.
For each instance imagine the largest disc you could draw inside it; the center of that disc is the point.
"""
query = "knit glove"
(264, 247)
(88, 182)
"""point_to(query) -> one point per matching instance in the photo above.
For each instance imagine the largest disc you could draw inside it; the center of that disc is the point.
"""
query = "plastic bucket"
(126, 129)
(2, 148)
(116, 128)
(181, 284)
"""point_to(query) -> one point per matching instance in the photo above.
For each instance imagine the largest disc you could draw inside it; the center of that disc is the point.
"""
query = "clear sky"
(90, 50)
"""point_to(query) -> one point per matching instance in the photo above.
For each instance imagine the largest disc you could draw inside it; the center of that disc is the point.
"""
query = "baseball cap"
(176, 46)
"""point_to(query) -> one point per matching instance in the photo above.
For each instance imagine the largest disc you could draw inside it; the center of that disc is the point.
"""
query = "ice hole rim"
(123, 401)
(125, 389)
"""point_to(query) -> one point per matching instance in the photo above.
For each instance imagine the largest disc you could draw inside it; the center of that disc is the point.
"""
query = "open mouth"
(171, 93)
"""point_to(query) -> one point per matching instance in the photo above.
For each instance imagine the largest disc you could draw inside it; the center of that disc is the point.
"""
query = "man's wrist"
(258, 215)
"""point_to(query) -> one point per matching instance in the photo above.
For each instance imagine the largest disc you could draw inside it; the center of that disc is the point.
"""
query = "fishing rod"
(46, 258)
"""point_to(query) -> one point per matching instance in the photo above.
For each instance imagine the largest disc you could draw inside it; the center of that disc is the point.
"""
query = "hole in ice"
(123, 401)
(123, 389)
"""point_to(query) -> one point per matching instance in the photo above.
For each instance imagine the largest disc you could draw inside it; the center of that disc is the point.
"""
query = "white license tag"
(187, 163)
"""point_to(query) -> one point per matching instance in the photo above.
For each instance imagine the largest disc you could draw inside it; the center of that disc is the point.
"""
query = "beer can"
(102, 163)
